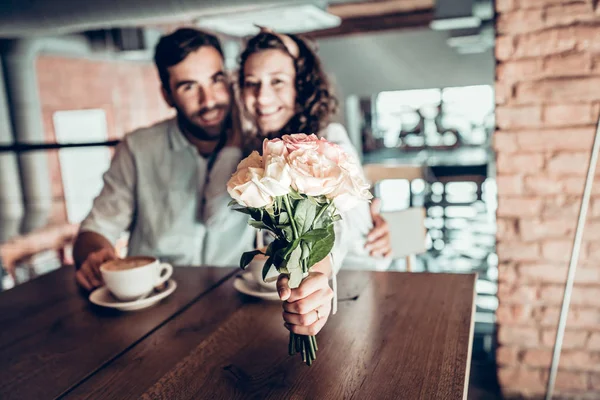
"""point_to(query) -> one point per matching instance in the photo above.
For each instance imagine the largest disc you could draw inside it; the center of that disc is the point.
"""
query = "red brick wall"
(548, 97)
(128, 92)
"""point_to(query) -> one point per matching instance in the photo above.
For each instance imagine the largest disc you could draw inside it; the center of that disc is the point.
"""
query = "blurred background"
(435, 91)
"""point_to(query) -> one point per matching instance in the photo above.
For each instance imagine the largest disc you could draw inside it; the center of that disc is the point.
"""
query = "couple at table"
(167, 183)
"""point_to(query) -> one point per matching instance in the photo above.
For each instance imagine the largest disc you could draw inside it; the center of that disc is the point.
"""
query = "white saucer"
(102, 297)
(246, 284)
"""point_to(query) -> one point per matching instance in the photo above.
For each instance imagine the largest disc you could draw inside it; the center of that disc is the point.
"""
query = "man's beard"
(197, 131)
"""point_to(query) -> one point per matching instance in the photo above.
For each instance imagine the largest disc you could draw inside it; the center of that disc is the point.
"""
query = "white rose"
(245, 185)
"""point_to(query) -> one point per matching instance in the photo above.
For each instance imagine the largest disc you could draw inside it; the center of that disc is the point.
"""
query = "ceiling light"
(288, 19)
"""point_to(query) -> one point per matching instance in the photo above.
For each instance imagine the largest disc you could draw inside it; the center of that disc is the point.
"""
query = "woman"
(284, 90)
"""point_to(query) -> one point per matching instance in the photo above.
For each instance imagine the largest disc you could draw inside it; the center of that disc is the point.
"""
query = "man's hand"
(89, 276)
(378, 240)
(307, 308)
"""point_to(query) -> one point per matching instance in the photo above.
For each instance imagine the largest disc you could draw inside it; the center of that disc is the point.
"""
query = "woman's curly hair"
(315, 101)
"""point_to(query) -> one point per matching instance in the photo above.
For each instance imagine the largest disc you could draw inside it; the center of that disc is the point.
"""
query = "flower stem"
(320, 214)
(288, 207)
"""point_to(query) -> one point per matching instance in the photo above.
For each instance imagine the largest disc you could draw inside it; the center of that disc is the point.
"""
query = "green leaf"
(290, 249)
(284, 218)
(247, 257)
(304, 215)
(267, 267)
(305, 250)
(295, 268)
(322, 248)
(258, 224)
(336, 217)
(295, 195)
(288, 232)
(243, 210)
(315, 234)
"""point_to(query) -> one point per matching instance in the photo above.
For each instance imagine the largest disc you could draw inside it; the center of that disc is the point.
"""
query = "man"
(167, 183)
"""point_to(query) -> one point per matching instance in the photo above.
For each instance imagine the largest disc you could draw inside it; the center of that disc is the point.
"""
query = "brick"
(577, 318)
(562, 115)
(574, 184)
(519, 206)
(519, 163)
(527, 381)
(520, 21)
(544, 43)
(504, 47)
(594, 381)
(567, 14)
(510, 184)
(507, 273)
(542, 185)
(558, 90)
(578, 360)
(592, 231)
(571, 339)
(541, 3)
(569, 163)
(558, 250)
(569, 381)
(565, 65)
(506, 142)
(519, 70)
(569, 139)
(504, 5)
(552, 295)
(561, 207)
(526, 337)
(548, 229)
(513, 314)
(518, 117)
(586, 296)
(542, 273)
(506, 229)
(549, 273)
(594, 341)
(506, 355)
(516, 294)
(537, 358)
(503, 92)
(518, 251)
(593, 252)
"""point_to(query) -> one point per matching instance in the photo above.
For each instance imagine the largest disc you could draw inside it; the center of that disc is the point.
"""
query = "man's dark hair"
(175, 47)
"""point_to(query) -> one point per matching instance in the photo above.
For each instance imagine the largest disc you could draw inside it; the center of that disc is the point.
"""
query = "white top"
(160, 189)
(351, 232)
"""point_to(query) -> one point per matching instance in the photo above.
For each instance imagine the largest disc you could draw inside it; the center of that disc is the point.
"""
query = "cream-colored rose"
(312, 173)
(353, 187)
(274, 148)
(245, 185)
(277, 179)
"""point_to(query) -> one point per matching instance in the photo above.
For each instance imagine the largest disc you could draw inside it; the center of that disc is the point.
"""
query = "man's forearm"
(86, 243)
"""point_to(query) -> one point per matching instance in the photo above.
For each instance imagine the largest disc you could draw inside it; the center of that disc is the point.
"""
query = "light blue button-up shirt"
(161, 190)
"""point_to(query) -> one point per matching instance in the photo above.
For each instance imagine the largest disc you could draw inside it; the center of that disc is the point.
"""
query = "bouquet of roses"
(294, 191)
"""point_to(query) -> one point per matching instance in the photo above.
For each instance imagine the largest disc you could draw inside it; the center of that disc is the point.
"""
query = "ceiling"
(43, 17)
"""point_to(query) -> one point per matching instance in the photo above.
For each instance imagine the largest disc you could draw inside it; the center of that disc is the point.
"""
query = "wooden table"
(396, 335)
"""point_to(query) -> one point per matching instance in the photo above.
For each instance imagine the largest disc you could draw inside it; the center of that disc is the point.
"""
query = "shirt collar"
(177, 140)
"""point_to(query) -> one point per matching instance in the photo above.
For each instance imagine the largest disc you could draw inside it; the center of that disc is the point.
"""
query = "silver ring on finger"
(318, 315)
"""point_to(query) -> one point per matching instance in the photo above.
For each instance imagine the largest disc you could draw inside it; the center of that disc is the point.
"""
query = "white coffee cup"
(255, 267)
(132, 278)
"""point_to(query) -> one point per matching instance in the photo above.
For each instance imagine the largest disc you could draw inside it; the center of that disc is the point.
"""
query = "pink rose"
(246, 187)
(301, 141)
(312, 173)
